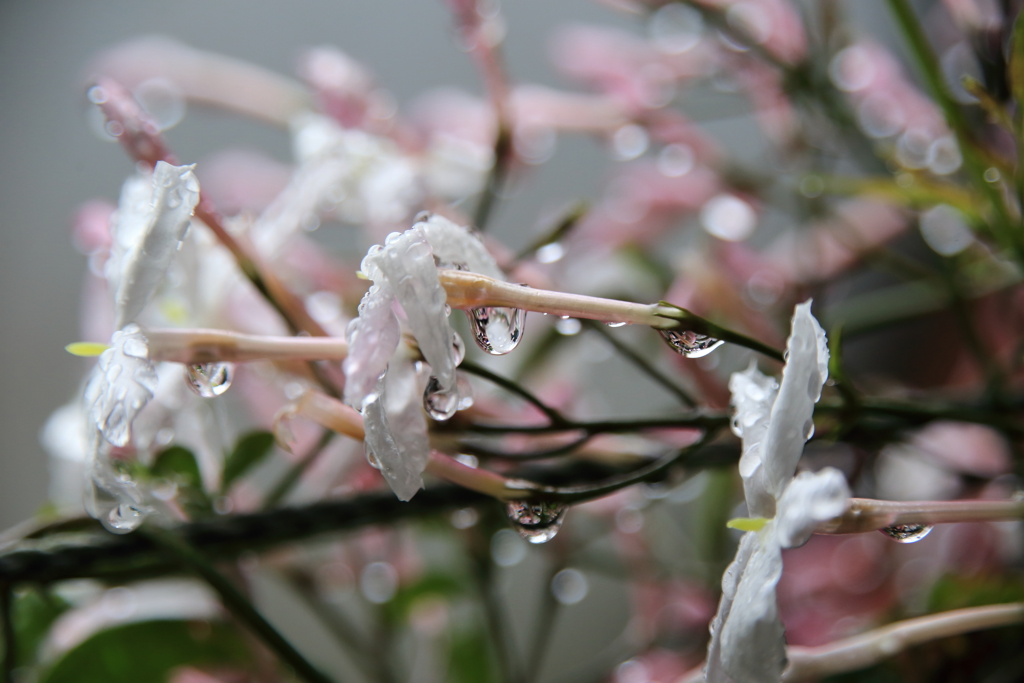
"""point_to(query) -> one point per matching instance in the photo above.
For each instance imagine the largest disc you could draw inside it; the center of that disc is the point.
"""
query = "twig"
(553, 415)
(858, 652)
(646, 367)
(297, 470)
(866, 649)
(864, 514)
(233, 599)
(204, 346)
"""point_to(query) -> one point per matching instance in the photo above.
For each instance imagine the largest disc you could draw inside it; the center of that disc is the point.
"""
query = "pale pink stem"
(864, 514)
(866, 649)
(332, 414)
(874, 646)
(470, 290)
(204, 346)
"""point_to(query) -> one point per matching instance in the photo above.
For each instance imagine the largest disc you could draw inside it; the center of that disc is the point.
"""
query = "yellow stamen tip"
(747, 523)
(361, 275)
(86, 349)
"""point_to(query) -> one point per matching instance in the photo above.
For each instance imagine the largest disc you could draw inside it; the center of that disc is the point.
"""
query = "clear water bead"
(536, 521)
(438, 403)
(497, 330)
(570, 586)
(209, 379)
(907, 533)
(124, 518)
(690, 344)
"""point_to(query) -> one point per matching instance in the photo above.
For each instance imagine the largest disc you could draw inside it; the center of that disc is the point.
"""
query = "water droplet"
(992, 175)
(209, 379)
(568, 326)
(569, 586)
(440, 404)
(124, 518)
(675, 160)
(550, 253)
(97, 95)
(674, 28)
(114, 128)
(378, 582)
(162, 100)
(458, 348)
(907, 533)
(464, 518)
(945, 230)
(466, 399)
(629, 142)
(422, 217)
(691, 344)
(507, 548)
(497, 330)
(616, 324)
(728, 217)
(371, 458)
(536, 521)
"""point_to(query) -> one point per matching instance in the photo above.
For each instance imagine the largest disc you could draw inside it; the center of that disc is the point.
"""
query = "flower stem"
(239, 605)
(859, 652)
(204, 346)
(10, 638)
(864, 514)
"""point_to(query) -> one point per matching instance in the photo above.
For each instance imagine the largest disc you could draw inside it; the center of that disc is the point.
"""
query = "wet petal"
(811, 498)
(372, 338)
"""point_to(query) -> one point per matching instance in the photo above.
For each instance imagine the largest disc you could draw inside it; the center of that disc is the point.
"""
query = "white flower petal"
(121, 384)
(454, 245)
(753, 395)
(791, 417)
(396, 431)
(154, 235)
(753, 638)
(372, 338)
(811, 498)
(713, 670)
(408, 264)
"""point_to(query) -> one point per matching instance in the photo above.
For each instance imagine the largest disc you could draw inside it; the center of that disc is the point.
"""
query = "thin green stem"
(525, 456)
(687, 321)
(10, 638)
(495, 178)
(544, 627)
(238, 604)
(973, 162)
(297, 470)
(553, 415)
(494, 611)
(644, 365)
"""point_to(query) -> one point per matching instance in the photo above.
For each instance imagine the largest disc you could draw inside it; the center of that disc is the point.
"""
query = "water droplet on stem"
(209, 379)
(438, 403)
(536, 521)
(497, 330)
(689, 343)
(907, 533)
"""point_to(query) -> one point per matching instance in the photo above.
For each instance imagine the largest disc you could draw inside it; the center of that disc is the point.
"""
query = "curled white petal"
(121, 384)
(455, 245)
(396, 430)
(408, 264)
(811, 498)
(753, 395)
(713, 669)
(791, 422)
(753, 642)
(373, 337)
(148, 235)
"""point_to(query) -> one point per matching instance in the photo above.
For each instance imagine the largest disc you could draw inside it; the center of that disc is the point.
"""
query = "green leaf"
(957, 592)
(35, 610)
(249, 451)
(179, 465)
(148, 651)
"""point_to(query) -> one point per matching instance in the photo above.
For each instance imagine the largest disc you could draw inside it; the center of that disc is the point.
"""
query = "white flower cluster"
(153, 216)
(381, 379)
(748, 642)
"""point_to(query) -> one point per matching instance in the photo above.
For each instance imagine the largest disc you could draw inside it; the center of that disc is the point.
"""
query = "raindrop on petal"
(209, 379)
(438, 403)
(907, 533)
(497, 330)
(536, 521)
(690, 344)
(123, 518)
